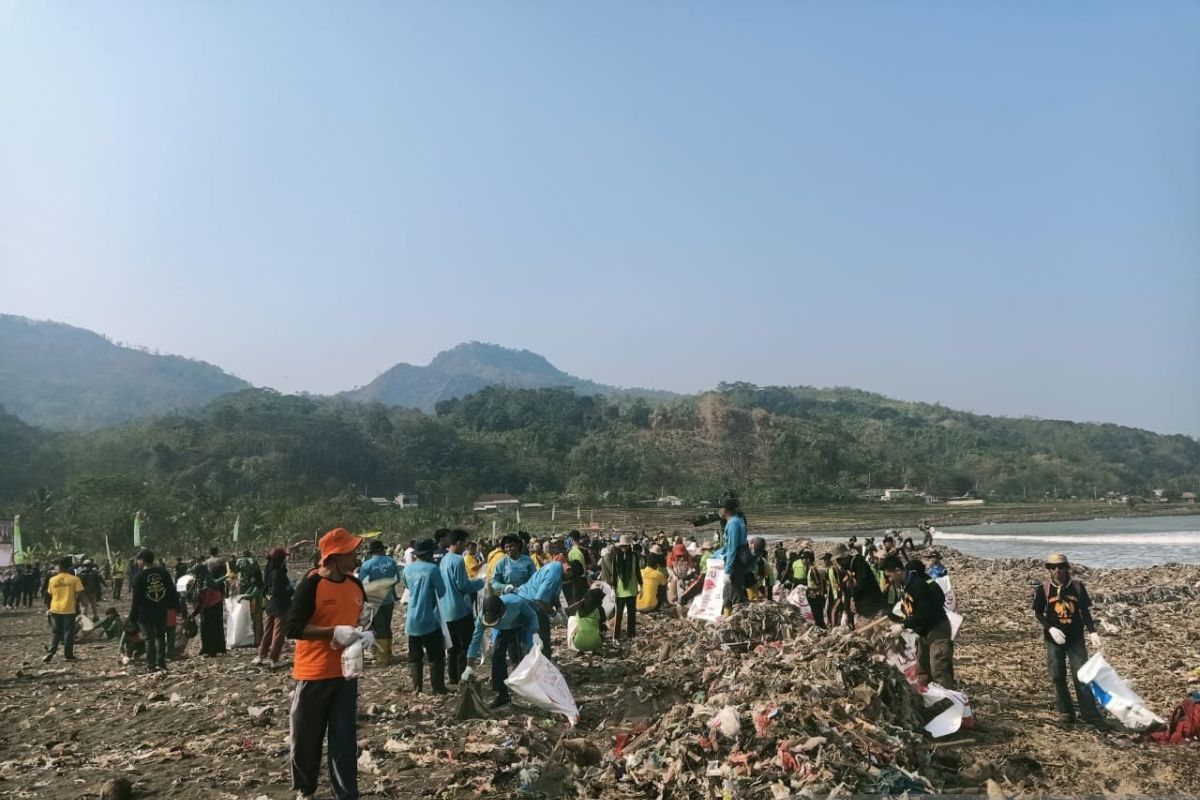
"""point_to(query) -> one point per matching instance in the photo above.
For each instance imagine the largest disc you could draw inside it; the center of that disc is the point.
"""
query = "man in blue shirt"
(380, 569)
(515, 621)
(736, 552)
(514, 569)
(423, 622)
(458, 604)
(936, 568)
(542, 591)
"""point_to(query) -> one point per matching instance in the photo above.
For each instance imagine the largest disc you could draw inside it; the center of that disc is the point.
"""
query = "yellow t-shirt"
(63, 588)
(651, 580)
(494, 559)
(472, 563)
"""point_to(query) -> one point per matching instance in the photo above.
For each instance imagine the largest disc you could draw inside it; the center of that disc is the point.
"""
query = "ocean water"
(1114, 542)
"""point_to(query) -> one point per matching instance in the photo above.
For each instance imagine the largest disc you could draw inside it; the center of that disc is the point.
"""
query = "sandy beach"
(217, 728)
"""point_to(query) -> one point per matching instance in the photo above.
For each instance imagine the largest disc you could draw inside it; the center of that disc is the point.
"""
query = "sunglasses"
(1053, 567)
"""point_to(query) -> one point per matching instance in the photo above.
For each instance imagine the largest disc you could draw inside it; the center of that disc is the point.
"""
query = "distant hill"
(473, 366)
(62, 377)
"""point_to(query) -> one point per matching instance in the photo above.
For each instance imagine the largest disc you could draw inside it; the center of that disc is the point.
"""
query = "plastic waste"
(957, 716)
(353, 662)
(537, 680)
(572, 625)
(1115, 695)
(726, 721)
(798, 597)
(239, 631)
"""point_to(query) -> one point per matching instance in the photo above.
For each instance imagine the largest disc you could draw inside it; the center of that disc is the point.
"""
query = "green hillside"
(289, 465)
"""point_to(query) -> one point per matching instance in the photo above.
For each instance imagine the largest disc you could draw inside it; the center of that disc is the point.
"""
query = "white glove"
(509, 589)
(344, 635)
(1094, 641)
(1058, 636)
(468, 673)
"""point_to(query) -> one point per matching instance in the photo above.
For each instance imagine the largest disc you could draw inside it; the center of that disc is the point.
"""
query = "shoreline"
(800, 520)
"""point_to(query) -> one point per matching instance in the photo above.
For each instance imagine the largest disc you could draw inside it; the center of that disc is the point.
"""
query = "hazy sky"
(994, 206)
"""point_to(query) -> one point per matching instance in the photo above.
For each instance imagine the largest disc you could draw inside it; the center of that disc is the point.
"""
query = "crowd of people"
(465, 600)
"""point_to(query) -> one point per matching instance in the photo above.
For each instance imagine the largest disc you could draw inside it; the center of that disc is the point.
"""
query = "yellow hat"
(1055, 559)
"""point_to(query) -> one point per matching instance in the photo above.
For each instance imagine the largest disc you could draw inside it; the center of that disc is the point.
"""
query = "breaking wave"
(1174, 538)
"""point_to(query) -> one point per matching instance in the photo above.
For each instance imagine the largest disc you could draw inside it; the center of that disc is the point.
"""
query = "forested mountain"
(469, 367)
(62, 377)
(289, 464)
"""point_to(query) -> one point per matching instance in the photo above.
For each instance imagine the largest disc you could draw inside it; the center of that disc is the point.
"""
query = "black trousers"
(325, 709)
(155, 636)
(544, 630)
(817, 604)
(626, 604)
(431, 645)
(381, 623)
(461, 631)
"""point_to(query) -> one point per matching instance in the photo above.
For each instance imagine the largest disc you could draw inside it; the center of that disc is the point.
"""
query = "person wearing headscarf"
(207, 605)
(277, 589)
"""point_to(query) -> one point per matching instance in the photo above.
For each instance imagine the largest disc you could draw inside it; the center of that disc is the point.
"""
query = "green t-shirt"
(587, 632)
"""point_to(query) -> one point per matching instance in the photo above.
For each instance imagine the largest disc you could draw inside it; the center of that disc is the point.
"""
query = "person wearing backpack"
(1062, 606)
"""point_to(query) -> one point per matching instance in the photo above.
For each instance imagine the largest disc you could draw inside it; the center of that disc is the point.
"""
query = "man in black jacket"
(923, 611)
(153, 595)
(1062, 606)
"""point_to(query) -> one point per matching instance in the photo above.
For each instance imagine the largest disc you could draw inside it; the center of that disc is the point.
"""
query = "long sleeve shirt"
(923, 604)
(545, 585)
(735, 539)
(1066, 607)
(512, 572)
(518, 615)
(153, 595)
(460, 589)
(380, 568)
(425, 588)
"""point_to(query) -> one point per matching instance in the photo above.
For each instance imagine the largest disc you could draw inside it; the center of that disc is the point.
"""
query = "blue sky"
(992, 206)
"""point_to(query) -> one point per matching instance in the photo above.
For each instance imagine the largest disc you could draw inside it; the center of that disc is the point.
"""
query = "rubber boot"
(384, 657)
(455, 666)
(437, 676)
(171, 643)
(415, 671)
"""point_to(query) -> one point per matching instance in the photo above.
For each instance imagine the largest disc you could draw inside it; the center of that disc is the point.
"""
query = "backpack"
(1046, 588)
(1184, 724)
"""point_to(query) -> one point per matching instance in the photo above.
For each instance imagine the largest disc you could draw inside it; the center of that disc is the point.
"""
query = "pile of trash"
(792, 709)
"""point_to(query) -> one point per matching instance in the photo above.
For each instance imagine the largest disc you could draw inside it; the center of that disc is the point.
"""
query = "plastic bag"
(958, 715)
(951, 597)
(353, 662)
(239, 631)
(572, 625)
(798, 597)
(610, 597)
(539, 681)
(1114, 694)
